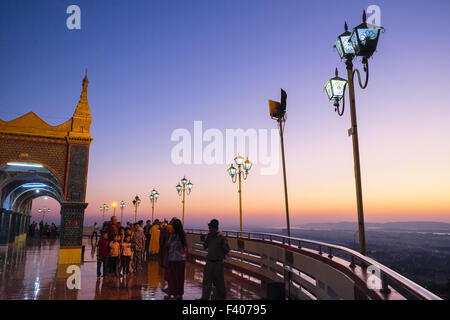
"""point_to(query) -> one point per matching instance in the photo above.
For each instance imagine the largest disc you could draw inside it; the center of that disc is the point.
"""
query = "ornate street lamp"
(114, 205)
(104, 208)
(136, 203)
(241, 173)
(335, 89)
(365, 37)
(153, 198)
(362, 42)
(122, 206)
(278, 113)
(181, 189)
(44, 211)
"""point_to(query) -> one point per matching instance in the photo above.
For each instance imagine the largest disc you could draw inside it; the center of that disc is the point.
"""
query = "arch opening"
(21, 182)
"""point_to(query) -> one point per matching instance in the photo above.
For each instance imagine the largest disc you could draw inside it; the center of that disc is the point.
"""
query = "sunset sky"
(156, 66)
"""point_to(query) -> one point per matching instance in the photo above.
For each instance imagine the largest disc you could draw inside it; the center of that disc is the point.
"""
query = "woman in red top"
(102, 255)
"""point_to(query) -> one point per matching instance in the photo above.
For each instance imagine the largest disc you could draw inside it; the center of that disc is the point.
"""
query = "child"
(122, 234)
(126, 255)
(114, 253)
(102, 254)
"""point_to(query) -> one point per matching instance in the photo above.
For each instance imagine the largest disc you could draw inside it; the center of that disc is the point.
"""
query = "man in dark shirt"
(218, 248)
(113, 229)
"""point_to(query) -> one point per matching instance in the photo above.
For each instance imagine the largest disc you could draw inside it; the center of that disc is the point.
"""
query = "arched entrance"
(38, 159)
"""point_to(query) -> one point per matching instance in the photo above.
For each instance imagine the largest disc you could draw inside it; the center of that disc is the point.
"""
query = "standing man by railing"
(218, 248)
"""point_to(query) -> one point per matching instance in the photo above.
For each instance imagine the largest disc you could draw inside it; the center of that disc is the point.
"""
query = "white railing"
(389, 278)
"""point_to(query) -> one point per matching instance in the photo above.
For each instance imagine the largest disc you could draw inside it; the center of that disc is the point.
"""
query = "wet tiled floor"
(29, 270)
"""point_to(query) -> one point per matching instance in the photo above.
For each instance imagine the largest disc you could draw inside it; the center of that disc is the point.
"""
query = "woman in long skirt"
(177, 261)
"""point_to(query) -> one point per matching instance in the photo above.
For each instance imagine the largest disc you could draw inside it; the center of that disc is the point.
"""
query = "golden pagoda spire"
(83, 104)
(81, 120)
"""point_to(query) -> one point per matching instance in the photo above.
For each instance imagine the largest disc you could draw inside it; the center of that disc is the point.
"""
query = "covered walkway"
(29, 270)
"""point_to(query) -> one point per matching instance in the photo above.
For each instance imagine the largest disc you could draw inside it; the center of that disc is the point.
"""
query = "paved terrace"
(29, 270)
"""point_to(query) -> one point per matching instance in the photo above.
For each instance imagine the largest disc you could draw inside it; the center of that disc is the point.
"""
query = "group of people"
(122, 250)
(41, 229)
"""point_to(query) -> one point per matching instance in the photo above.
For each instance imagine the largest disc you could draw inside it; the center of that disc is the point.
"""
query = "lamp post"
(122, 206)
(239, 173)
(362, 41)
(104, 208)
(278, 113)
(136, 203)
(153, 198)
(114, 205)
(44, 211)
(181, 189)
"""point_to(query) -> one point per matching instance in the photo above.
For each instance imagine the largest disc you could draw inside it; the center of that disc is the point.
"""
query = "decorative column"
(73, 206)
(20, 224)
(71, 233)
(5, 226)
(12, 228)
(27, 226)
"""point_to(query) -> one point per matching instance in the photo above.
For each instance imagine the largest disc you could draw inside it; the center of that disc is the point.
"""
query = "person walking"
(153, 248)
(102, 255)
(94, 232)
(147, 227)
(164, 250)
(36, 230)
(177, 261)
(218, 248)
(138, 244)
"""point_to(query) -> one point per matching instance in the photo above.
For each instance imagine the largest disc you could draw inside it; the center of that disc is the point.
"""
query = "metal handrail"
(386, 272)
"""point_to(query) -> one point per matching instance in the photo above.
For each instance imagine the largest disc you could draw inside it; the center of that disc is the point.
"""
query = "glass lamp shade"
(344, 45)
(232, 171)
(106, 208)
(101, 208)
(138, 201)
(39, 210)
(184, 181)
(122, 204)
(239, 160)
(247, 164)
(151, 197)
(364, 38)
(335, 87)
(153, 191)
(156, 195)
(114, 205)
(178, 187)
(189, 185)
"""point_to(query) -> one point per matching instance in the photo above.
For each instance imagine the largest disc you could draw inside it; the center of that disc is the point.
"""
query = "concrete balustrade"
(305, 273)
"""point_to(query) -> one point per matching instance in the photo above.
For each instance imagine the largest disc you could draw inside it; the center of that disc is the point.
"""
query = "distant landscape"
(419, 250)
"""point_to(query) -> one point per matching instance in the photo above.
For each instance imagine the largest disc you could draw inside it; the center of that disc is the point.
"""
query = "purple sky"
(155, 66)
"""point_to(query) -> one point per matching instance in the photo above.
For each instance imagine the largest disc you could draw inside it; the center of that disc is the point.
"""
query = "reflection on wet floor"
(29, 270)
